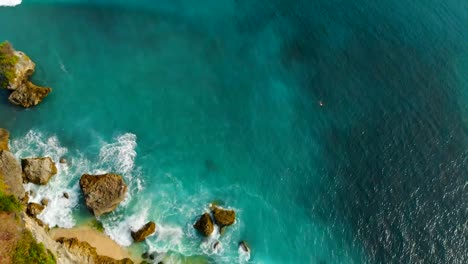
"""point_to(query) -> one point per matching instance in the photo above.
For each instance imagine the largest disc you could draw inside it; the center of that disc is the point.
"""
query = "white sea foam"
(10, 2)
(244, 256)
(119, 155)
(167, 238)
(59, 210)
(118, 226)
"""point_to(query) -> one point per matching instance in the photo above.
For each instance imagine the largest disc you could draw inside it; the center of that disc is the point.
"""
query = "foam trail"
(119, 155)
(10, 2)
(118, 227)
(244, 256)
(166, 238)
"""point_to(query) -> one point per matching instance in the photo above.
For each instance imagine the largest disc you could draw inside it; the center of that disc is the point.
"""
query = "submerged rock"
(66, 195)
(144, 232)
(103, 193)
(38, 170)
(4, 137)
(10, 170)
(15, 70)
(204, 224)
(33, 209)
(223, 217)
(28, 95)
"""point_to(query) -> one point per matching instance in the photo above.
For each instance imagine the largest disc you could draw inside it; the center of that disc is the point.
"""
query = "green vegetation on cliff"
(8, 203)
(29, 251)
(7, 63)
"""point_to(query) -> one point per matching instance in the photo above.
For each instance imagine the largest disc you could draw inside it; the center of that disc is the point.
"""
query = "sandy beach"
(103, 244)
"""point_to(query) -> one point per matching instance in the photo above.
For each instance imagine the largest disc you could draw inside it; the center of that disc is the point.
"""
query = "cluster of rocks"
(103, 193)
(218, 216)
(221, 217)
(15, 71)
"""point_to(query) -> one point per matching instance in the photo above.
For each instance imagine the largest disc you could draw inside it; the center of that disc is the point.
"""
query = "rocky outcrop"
(87, 253)
(28, 95)
(103, 193)
(38, 170)
(144, 232)
(223, 217)
(244, 246)
(10, 169)
(34, 209)
(204, 224)
(24, 67)
(4, 137)
(44, 201)
(15, 70)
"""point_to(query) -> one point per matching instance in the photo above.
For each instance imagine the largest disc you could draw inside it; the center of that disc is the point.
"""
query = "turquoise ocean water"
(206, 101)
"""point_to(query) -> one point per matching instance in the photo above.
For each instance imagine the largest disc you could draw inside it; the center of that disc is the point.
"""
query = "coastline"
(104, 245)
(26, 239)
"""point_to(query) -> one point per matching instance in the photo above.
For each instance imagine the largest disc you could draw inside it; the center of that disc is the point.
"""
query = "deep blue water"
(202, 101)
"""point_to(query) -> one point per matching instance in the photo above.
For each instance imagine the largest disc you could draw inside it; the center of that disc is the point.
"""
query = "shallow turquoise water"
(219, 101)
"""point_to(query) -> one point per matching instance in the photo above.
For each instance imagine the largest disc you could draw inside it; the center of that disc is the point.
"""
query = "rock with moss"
(10, 170)
(204, 224)
(38, 170)
(4, 137)
(103, 193)
(144, 232)
(8, 62)
(223, 217)
(15, 70)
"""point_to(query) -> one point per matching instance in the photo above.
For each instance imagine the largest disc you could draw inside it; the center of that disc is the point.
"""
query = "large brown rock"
(38, 170)
(103, 193)
(10, 170)
(204, 224)
(15, 70)
(144, 232)
(88, 253)
(223, 217)
(33, 209)
(4, 137)
(29, 95)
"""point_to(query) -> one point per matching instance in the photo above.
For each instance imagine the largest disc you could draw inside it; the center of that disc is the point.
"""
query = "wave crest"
(10, 2)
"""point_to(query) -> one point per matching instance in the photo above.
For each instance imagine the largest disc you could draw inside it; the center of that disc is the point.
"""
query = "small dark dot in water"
(210, 165)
